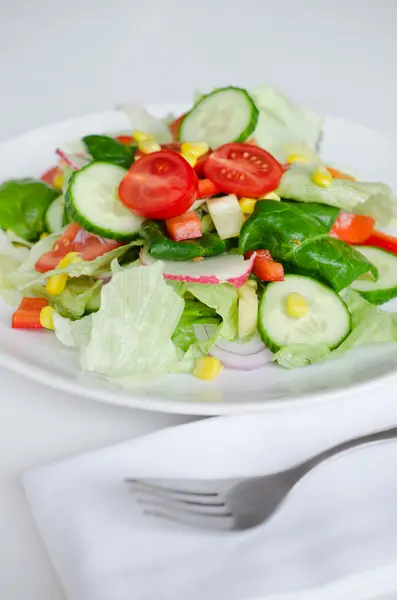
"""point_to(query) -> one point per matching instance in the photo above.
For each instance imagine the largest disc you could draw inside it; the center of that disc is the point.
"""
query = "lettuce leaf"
(129, 338)
(372, 199)
(223, 299)
(11, 257)
(194, 313)
(140, 119)
(370, 325)
(283, 127)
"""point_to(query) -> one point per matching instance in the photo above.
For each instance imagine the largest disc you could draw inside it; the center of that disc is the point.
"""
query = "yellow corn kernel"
(207, 368)
(46, 317)
(247, 205)
(148, 146)
(56, 284)
(322, 177)
(270, 196)
(297, 158)
(57, 181)
(43, 235)
(141, 136)
(191, 159)
(297, 306)
(69, 259)
(197, 149)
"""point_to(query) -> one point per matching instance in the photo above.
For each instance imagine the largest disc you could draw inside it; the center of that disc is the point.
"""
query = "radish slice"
(76, 161)
(225, 268)
(241, 355)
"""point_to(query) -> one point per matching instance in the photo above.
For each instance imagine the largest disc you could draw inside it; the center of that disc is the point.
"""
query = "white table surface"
(61, 59)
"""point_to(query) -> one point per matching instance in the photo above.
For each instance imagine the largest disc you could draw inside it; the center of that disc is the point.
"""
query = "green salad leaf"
(23, 204)
(107, 149)
(284, 128)
(372, 199)
(370, 325)
(223, 299)
(162, 248)
(297, 235)
(129, 338)
(194, 313)
(142, 120)
(11, 256)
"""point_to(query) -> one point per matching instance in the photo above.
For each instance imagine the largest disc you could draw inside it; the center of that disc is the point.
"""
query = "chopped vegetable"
(207, 188)
(265, 267)
(383, 241)
(47, 317)
(207, 368)
(184, 227)
(322, 177)
(227, 215)
(336, 174)
(352, 229)
(27, 316)
(110, 150)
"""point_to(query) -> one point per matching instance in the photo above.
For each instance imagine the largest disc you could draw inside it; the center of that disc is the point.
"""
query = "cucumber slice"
(226, 115)
(385, 288)
(92, 201)
(67, 219)
(53, 218)
(327, 321)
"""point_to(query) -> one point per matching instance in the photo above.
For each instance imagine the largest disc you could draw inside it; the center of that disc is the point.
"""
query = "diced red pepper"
(127, 140)
(206, 189)
(352, 229)
(382, 241)
(27, 316)
(265, 267)
(184, 227)
(48, 176)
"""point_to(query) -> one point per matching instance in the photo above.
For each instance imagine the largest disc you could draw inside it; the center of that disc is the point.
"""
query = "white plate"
(39, 356)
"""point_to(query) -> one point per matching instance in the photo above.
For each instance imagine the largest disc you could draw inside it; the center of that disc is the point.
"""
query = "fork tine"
(197, 487)
(181, 506)
(211, 499)
(191, 520)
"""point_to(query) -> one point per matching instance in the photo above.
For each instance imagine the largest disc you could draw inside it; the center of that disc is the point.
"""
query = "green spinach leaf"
(23, 204)
(163, 248)
(298, 236)
(107, 149)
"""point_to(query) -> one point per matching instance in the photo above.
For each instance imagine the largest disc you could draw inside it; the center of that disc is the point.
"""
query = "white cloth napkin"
(334, 538)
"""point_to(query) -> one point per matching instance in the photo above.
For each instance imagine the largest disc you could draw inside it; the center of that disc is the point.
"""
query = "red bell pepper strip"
(206, 189)
(265, 267)
(27, 316)
(352, 229)
(382, 241)
(184, 227)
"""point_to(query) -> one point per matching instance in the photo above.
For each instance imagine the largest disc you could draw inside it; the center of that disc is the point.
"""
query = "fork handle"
(312, 462)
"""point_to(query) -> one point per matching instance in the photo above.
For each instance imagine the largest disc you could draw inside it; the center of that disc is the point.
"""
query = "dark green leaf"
(106, 149)
(298, 237)
(23, 204)
(163, 248)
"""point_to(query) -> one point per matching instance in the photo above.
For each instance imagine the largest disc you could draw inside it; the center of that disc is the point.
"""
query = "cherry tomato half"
(176, 147)
(243, 169)
(160, 185)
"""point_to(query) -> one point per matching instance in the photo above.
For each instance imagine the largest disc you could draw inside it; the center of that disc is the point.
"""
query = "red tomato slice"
(160, 185)
(176, 147)
(90, 248)
(243, 169)
(48, 176)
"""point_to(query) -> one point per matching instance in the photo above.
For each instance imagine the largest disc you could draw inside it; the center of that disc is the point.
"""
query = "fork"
(231, 504)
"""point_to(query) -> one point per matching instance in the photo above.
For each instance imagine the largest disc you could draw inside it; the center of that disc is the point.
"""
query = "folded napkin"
(334, 538)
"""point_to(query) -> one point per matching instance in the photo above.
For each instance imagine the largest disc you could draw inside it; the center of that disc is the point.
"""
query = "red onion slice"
(241, 355)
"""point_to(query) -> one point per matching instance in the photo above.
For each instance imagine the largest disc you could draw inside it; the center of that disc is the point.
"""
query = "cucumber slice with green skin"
(225, 115)
(327, 321)
(53, 218)
(385, 287)
(67, 219)
(93, 202)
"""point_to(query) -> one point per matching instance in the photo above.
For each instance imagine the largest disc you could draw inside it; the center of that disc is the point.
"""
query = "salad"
(217, 238)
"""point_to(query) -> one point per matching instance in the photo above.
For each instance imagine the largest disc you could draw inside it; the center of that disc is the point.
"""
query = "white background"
(62, 59)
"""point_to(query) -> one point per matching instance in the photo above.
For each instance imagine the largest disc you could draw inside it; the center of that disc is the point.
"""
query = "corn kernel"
(297, 158)
(297, 306)
(322, 177)
(207, 368)
(56, 284)
(270, 196)
(191, 159)
(197, 149)
(247, 205)
(46, 317)
(69, 259)
(57, 181)
(141, 136)
(148, 146)
(43, 235)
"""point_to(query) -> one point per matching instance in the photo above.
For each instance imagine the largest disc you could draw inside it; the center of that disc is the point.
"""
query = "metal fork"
(231, 504)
